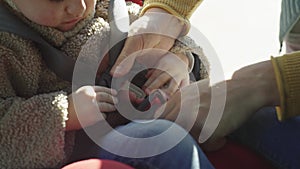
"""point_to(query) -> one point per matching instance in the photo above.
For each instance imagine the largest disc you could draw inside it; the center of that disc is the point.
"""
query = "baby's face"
(60, 14)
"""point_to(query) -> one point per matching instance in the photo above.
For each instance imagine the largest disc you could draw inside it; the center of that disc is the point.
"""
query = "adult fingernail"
(119, 69)
(114, 92)
(148, 91)
(116, 101)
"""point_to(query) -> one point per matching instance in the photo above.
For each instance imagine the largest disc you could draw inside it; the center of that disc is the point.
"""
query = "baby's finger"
(106, 97)
(106, 107)
(103, 89)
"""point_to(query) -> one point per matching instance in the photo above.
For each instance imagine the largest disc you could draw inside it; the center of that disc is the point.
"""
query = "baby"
(38, 117)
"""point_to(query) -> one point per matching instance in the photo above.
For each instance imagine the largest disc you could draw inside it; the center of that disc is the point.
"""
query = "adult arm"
(161, 22)
(287, 72)
(267, 83)
(270, 83)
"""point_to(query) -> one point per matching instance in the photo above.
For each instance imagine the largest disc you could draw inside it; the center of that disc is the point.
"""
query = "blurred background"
(241, 32)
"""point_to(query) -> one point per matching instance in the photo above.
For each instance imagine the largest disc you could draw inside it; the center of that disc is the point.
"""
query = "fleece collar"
(55, 37)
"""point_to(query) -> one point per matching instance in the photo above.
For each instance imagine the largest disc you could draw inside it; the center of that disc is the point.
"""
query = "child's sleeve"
(188, 47)
(32, 130)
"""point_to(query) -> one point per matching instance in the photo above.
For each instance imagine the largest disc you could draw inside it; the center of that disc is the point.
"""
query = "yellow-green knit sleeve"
(287, 72)
(183, 9)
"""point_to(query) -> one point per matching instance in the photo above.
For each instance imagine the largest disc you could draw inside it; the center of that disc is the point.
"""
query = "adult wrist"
(183, 9)
(268, 83)
(259, 81)
(184, 24)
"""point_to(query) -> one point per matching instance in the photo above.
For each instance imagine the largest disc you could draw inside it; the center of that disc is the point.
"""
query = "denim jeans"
(278, 141)
(186, 154)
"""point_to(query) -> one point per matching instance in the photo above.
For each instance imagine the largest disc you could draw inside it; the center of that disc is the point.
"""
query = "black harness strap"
(61, 64)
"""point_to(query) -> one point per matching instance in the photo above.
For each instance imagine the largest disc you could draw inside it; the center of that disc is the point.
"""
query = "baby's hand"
(106, 99)
(171, 73)
(86, 105)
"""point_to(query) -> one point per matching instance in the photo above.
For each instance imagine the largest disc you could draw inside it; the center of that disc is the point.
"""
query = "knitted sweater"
(180, 8)
(287, 71)
(33, 99)
(183, 9)
(287, 67)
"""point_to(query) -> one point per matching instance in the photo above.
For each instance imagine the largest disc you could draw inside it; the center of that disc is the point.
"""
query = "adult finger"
(185, 82)
(170, 88)
(151, 76)
(158, 82)
(170, 109)
(127, 56)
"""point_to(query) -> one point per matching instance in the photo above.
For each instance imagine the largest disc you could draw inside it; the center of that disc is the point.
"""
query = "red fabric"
(140, 2)
(231, 156)
(236, 156)
(97, 164)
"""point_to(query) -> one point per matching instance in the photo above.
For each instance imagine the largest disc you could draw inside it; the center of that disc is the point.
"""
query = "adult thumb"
(126, 59)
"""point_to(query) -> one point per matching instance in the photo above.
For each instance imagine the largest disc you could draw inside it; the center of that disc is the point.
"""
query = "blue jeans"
(186, 154)
(278, 141)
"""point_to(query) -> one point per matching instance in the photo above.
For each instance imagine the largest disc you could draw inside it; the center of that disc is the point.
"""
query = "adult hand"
(198, 109)
(86, 103)
(250, 89)
(156, 29)
(170, 74)
(188, 107)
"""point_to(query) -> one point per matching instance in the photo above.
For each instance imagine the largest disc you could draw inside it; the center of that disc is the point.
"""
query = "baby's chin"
(65, 27)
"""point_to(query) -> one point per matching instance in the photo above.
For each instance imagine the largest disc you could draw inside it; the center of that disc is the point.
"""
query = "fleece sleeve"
(32, 129)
